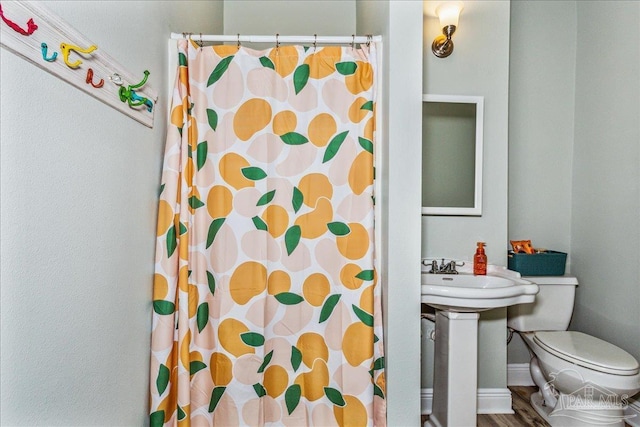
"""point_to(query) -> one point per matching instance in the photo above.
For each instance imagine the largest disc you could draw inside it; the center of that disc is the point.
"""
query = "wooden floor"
(525, 415)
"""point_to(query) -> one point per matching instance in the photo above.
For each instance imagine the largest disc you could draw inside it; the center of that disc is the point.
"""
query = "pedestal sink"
(458, 299)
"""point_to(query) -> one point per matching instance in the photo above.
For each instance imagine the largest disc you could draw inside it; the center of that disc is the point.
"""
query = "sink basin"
(466, 292)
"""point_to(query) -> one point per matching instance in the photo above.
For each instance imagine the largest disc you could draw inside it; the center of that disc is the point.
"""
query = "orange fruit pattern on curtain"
(266, 301)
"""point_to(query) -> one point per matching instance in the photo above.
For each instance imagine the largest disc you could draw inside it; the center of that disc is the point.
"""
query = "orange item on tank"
(522, 246)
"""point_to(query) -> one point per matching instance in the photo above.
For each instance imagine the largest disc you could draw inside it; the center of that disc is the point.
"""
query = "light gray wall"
(541, 117)
(541, 121)
(400, 24)
(581, 102)
(285, 17)
(78, 199)
(605, 228)
(479, 66)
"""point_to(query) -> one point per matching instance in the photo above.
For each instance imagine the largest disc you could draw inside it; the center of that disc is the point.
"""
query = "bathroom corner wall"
(478, 66)
(78, 199)
(541, 129)
(605, 227)
(541, 118)
(575, 127)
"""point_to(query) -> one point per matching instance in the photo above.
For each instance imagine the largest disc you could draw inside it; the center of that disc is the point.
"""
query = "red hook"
(31, 26)
(90, 79)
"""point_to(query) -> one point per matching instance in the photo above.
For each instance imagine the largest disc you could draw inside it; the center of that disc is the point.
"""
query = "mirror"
(452, 128)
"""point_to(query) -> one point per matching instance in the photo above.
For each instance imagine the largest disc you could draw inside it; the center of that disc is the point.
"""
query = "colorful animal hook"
(31, 26)
(89, 80)
(127, 94)
(141, 100)
(144, 80)
(44, 47)
(67, 48)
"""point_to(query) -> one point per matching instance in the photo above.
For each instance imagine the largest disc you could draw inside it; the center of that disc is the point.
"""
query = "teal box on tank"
(550, 263)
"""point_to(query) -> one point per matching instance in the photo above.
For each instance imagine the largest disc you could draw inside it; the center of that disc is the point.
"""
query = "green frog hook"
(128, 94)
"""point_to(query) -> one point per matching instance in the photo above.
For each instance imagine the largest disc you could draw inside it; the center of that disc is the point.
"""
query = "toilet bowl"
(582, 380)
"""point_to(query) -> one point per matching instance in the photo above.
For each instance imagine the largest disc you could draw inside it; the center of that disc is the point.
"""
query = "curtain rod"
(277, 38)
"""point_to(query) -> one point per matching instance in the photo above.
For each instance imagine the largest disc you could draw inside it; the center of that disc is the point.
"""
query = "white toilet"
(583, 381)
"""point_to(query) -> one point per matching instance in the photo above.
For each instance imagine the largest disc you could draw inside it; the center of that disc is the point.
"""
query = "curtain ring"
(315, 42)
(238, 40)
(369, 39)
(200, 43)
(353, 41)
(277, 43)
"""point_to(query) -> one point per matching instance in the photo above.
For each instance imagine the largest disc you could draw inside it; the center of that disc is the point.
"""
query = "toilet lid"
(587, 351)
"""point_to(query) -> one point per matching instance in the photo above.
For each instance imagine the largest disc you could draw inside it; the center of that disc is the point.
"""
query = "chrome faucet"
(443, 268)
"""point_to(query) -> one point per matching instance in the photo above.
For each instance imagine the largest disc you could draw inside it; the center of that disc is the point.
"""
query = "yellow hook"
(67, 48)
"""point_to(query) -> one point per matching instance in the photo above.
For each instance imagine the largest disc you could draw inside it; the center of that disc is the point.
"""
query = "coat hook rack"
(83, 65)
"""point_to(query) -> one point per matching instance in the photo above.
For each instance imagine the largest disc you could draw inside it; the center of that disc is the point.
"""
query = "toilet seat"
(587, 351)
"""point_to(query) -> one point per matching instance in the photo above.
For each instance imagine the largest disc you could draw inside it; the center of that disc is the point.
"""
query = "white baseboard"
(633, 411)
(490, 401)
(426, 401)
(518, 374)
(494, 401)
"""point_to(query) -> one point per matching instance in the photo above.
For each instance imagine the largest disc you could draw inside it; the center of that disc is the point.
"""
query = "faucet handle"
(448, 267)
(434, 267)
(431, 263)
(451, 266)
(444, 267)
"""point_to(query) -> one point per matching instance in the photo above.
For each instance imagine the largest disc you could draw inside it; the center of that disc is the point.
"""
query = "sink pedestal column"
(455, 377)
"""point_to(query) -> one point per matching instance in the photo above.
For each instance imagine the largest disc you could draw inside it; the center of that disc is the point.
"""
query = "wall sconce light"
(448, 13)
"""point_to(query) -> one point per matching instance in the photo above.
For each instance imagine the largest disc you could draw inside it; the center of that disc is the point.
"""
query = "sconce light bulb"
(448, 13)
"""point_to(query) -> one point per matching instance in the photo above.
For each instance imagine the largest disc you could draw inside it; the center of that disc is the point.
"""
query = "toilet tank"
(552, 308)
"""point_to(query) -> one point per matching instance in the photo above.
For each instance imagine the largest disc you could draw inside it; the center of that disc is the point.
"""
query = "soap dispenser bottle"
(480, 260)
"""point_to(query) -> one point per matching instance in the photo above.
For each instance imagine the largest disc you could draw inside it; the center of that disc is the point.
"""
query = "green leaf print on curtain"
(266, 303)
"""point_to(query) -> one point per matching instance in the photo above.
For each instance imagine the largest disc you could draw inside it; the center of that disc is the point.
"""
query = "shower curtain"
(266, 301)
